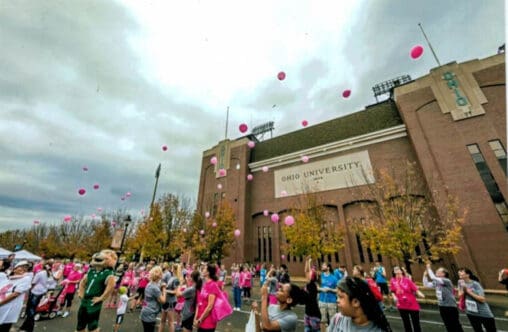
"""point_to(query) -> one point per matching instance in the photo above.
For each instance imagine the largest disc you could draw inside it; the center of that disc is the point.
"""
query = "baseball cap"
(21, 263)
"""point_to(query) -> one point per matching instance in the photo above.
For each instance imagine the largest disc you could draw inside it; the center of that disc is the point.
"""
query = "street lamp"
(126, 223)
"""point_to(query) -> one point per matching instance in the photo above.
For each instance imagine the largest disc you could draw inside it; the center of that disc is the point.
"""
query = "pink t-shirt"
(405, 290)
(209, 288)
(37, 268)
(143, 279)
(129, 278)
(73, 276)
(245, 279)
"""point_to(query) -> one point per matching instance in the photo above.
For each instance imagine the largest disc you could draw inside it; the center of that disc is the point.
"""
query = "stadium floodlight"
(387, 86)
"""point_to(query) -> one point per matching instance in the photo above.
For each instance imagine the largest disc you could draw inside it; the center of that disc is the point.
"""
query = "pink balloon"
(128, 194)
(289, 220)
(222, 172)
(283, 257)
(207, 214)
(85, 168)
(164, 148)
(266, 213)
(251, 144)
(250, 177)
(113, 223)
(96, 186)
(36, 222)
(243, 128)
(213, 160)
(67, 218)
(346, 93)
(416, 52)
(275, 217)
(305, 159)
(81, 191)
(281, 76)
(265, 169)
(305, 123)
(283, 193)
(219, 186)
(214, 224)
(237, 232)
(99, 209)
(202, 232)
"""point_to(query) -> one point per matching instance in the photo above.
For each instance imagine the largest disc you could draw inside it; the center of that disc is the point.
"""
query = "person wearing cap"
(12, 293)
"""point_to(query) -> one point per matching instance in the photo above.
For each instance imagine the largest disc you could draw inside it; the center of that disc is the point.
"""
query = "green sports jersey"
(96, 282)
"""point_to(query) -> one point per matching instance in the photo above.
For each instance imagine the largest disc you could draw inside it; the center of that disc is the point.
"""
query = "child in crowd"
(122, 306)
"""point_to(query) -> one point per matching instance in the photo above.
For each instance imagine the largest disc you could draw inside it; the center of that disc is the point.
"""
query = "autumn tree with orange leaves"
(313, 233)
(401, 216)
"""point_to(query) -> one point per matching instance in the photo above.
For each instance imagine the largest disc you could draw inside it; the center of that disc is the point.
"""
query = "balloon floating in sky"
(281, 76)
(99, 209)
(305, 123)
(222, 172)
(207, 214)
(305, 159)
(275, 217)
(346, 93)
(214, 224)
(128, 194)
(265, 169)
(243, 128)
(251, 144)
(219, 186)
(85, 168)
(250, 177)
(289, 220)
(164, 148)
(96, 186)
(213, 160)
(265, 213)
(202, 232)
(283, 193)
(36, 222)
(416, 52)
(237, 232)
(81, 191)
(283, 257)
(67, 218)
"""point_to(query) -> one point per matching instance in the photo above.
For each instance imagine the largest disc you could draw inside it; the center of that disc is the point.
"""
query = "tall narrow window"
(270, 244)
(360, 248)
(490, 183)
(500, 153)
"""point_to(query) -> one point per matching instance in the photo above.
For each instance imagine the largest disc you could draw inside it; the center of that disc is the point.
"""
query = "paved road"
(430, 321)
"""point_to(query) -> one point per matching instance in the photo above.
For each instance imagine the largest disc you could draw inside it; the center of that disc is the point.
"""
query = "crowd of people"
(185, 296)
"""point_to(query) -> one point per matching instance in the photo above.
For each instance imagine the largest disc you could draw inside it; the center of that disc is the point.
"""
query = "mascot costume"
(95, 287)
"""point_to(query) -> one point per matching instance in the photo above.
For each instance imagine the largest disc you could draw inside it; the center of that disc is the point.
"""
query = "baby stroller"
(49, 305)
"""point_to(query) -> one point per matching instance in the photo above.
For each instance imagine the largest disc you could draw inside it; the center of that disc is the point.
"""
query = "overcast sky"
(106, 84)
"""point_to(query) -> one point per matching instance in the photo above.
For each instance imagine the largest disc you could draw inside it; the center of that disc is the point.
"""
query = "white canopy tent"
(4, 253)
(25, 254)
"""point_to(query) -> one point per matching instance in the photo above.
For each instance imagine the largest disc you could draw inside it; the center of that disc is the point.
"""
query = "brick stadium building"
(451, 123)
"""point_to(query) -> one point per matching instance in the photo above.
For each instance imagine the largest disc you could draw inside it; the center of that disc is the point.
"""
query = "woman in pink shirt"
(70, 284)
(129, 279)
(204, 321)
(404, 291)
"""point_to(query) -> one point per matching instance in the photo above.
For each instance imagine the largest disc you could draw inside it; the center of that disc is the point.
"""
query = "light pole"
(126, 223)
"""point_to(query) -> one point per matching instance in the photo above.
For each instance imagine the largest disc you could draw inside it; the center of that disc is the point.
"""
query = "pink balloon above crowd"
(96, 186)
(250, 177)
(214, 224)
(202, 232)
(265, 169)
(416, 52)
(281, 76)
(237, 232)
(219, 186)
(275, 217)
(85, 169)
(213, 160)
(222, 172)
(266, 213)
(346, 93)
(243, 128)
(251, 144)
(36, 222)
(164, 148)
(81, 191)
(289, 220)
(207, 214)
(67, 218)
(305, 159)
(283, 193)
(305, 123)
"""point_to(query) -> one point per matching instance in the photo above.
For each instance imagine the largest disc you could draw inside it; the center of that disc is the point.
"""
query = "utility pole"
(157, 174)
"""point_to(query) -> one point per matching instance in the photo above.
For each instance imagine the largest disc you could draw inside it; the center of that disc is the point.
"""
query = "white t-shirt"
(9, 312)
(122, 307)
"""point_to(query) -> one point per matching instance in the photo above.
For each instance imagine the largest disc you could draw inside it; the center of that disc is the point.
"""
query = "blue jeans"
(31, 305)
(237, 296)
